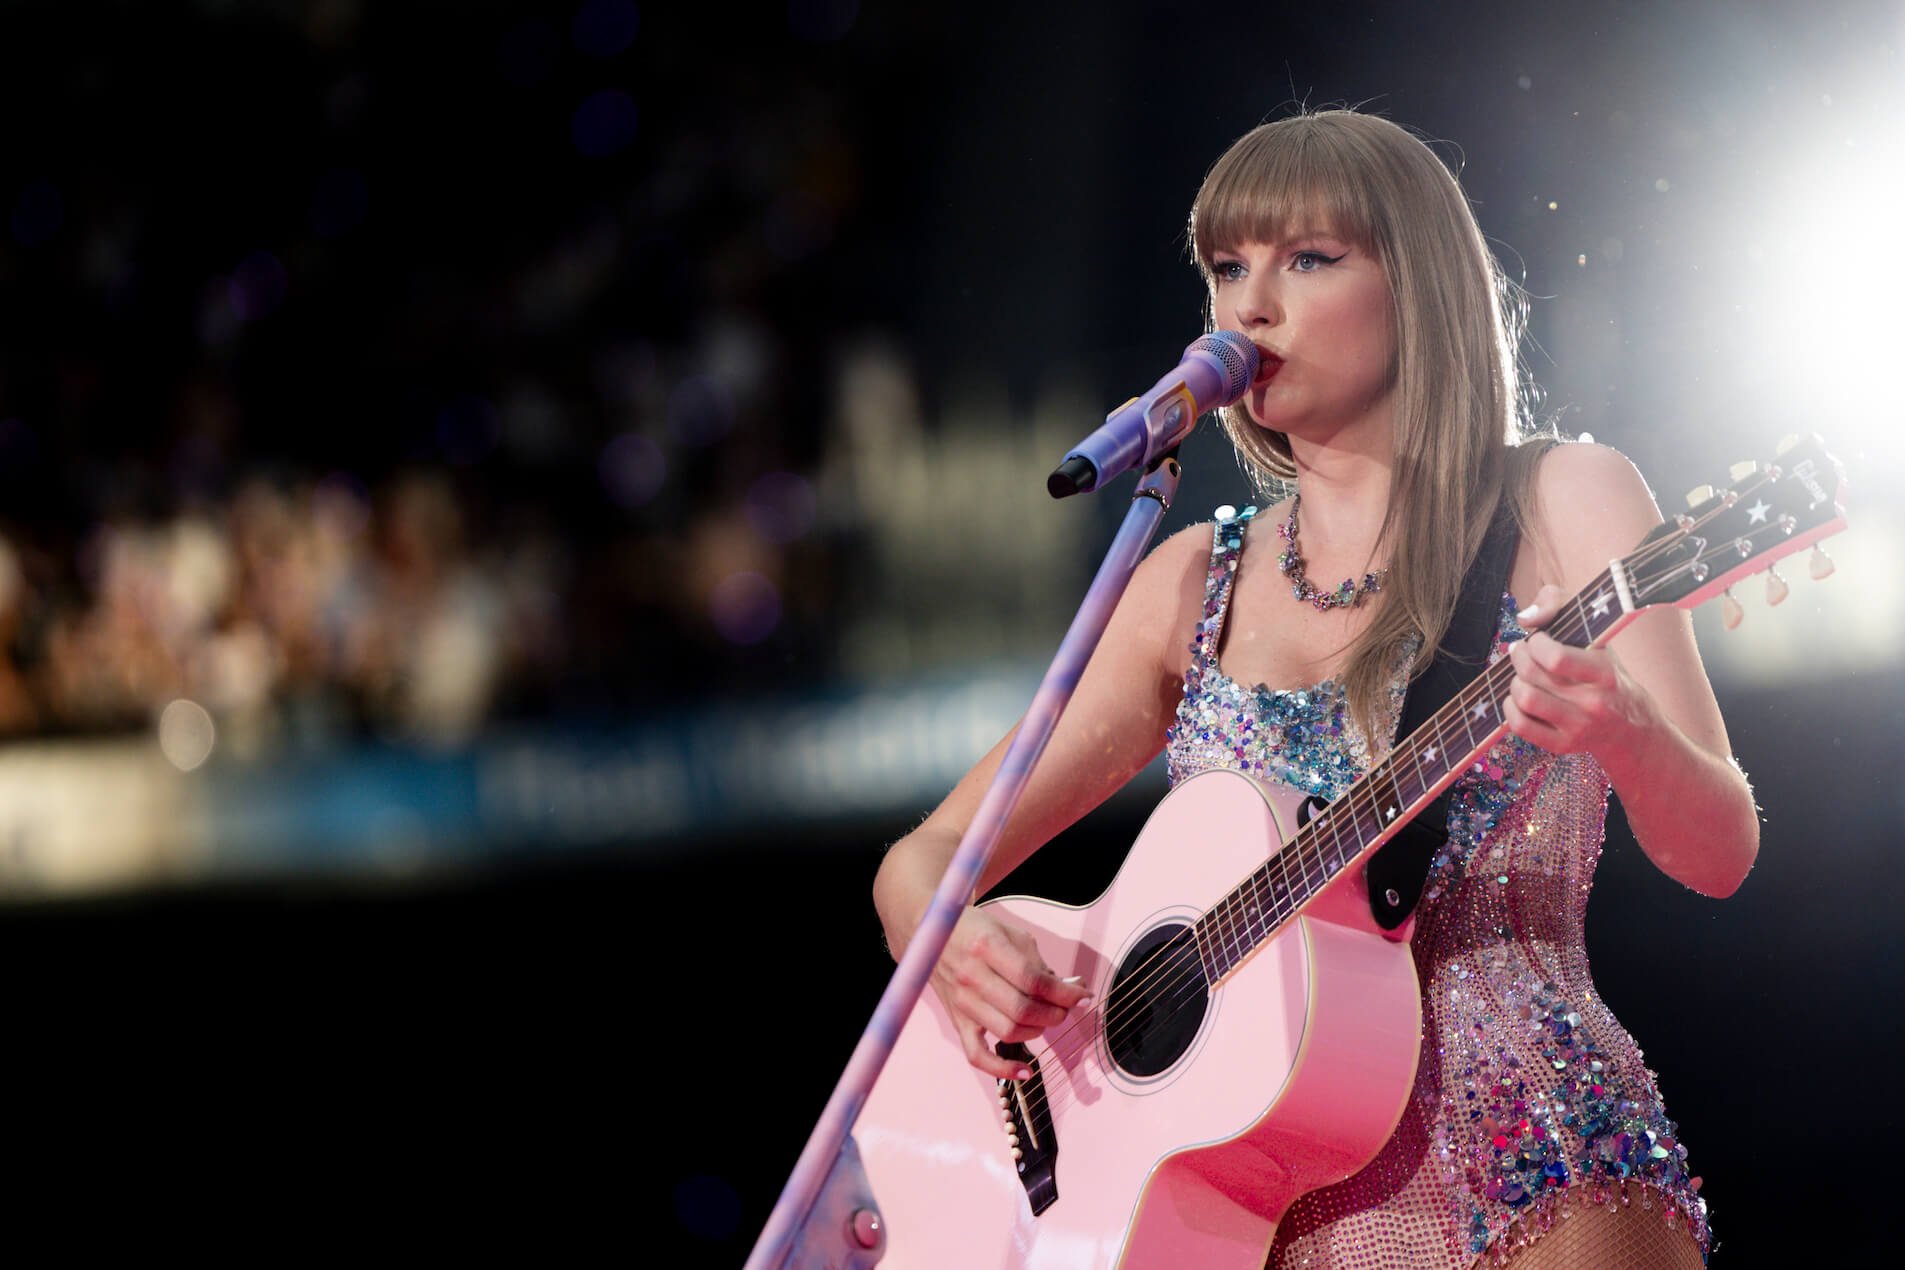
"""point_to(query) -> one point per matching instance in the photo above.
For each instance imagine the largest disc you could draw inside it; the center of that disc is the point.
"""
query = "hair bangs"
(1277, 185)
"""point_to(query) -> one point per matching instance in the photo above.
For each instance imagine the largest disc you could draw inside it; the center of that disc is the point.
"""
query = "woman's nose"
(1257, 303)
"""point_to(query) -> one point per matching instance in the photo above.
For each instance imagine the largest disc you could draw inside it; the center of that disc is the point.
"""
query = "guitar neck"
(1374, 808)
(1682, 562)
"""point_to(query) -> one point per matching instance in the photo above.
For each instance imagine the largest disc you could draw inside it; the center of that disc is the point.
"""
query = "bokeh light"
(745, 607)
(257, 286)
(781, 506)
(604, 124)
(186, 734)
(700, 410)
(632, 469)
(603, 28)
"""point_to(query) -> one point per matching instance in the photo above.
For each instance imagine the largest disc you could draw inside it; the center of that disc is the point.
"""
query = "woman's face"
(1317, 308)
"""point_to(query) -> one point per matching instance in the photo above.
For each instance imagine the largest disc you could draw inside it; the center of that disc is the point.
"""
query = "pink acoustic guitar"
(1255, 1033)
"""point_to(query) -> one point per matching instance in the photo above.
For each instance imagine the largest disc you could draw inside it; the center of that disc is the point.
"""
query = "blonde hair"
(1462, 404)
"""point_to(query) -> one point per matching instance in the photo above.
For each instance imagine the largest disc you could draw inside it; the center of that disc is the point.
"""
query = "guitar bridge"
(1028, 1129)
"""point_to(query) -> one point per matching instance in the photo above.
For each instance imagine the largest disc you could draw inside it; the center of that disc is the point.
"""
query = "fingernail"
(1084, 1003)
(1528, 612)
(1024, 1073)
(1075, 980)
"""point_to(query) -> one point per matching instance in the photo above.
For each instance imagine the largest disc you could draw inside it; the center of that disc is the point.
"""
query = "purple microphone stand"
(827, 1217)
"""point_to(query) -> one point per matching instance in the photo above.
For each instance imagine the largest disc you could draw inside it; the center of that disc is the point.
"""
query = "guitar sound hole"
(1156, 1002)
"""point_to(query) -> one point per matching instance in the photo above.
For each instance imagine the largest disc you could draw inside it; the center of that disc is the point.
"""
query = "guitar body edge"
(1219, 1205)
(1295, 1078)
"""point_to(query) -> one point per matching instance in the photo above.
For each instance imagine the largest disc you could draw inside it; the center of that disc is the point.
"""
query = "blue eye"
(1227, 270)
(1311, 261)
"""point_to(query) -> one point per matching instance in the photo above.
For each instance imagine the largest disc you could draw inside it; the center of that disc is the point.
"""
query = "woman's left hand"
(1570, 700)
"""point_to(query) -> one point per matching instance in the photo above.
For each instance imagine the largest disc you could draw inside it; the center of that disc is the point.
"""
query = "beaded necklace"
(1348, 595)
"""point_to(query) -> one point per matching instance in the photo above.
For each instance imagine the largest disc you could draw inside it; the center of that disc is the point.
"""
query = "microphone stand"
(826, 1217)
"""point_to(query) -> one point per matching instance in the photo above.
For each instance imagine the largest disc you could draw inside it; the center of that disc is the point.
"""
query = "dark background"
(544, 324)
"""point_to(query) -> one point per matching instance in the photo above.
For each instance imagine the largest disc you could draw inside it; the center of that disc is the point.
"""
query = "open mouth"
(1267, 368)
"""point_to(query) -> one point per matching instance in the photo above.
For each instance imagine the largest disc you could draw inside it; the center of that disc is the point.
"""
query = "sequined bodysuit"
(1529, 1095)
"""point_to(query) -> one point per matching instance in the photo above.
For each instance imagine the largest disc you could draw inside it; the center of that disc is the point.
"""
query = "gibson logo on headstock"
(1803, 472)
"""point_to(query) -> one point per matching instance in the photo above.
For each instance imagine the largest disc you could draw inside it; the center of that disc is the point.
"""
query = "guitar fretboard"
(1385, 797)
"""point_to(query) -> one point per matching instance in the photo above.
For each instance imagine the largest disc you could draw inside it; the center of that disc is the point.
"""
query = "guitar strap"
(1400, 868)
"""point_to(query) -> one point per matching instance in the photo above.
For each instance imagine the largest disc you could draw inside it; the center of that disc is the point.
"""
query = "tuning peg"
(1820, 566)
(1776, 588)
(1698, 495)
(1787, 442)
(1730, 611)
(1743, 469)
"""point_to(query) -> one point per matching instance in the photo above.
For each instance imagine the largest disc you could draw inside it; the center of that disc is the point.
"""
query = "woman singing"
(1390, 410)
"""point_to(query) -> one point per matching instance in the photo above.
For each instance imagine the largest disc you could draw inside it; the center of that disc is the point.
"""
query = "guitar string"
(1569, 622)
(1038, 1098)
(1356, 800)
(1167, 961)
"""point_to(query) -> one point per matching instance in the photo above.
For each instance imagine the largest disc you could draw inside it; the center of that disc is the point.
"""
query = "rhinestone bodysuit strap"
(1227, 541)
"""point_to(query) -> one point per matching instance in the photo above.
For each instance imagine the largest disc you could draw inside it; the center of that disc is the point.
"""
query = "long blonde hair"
(1462, 404)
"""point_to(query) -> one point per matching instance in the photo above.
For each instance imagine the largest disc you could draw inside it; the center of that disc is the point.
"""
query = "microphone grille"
(1239, 356)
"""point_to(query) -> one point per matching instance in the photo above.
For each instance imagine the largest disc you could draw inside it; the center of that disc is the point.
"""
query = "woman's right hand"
(993, 982)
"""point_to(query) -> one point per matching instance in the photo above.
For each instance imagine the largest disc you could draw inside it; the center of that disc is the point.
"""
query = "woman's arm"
(1642, 706)
(991, 976)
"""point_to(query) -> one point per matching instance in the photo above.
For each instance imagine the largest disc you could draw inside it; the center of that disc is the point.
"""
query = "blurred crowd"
(294, 611)
(400, 405)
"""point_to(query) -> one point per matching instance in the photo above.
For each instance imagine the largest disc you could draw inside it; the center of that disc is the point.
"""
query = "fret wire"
(1225, 960)
(1308, 841)
(1389, 814)
(1240, 920)
(1218, 952)
(1304, 850)
(1244, 912)
(1276, 872)
(1309, 865)
(1257, 926)
(1328, 821)
(1229, 944)
(1230, 931)
(1411, 791)
(1287, 892)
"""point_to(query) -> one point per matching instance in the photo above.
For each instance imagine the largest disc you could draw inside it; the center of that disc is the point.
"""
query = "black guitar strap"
(1400, 867)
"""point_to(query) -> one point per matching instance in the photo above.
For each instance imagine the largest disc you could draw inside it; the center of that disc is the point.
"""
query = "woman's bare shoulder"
(1589, 468)
(1591, 504)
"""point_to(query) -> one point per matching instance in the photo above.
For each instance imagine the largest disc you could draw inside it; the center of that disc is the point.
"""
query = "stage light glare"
(1823, 339)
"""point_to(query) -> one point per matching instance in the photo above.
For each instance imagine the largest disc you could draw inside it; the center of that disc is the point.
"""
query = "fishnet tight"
(1595, 1237)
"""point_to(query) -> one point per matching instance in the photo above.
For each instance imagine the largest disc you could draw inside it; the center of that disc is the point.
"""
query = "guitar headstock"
(1764, 515)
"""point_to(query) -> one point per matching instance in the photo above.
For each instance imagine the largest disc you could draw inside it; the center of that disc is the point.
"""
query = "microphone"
(1216, 370)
